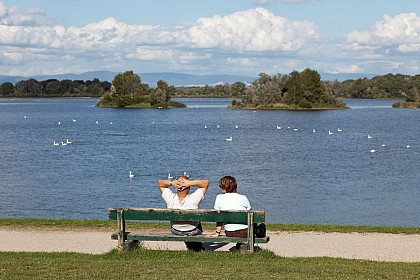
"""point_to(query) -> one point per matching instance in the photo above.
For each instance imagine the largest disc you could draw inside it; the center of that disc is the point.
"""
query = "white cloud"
(152, 54)
(252, 30)
(350, 69)
(245, 42)
(401, 33)
(266, 2)
(13, 16)
(409, 48)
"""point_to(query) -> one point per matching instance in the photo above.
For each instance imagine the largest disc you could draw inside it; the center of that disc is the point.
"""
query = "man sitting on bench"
(181, 199)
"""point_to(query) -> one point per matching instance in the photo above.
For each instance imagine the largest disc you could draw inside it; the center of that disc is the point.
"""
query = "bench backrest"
(204, 215)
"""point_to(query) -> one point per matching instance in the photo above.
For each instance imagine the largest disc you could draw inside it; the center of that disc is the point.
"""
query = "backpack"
(259, 230)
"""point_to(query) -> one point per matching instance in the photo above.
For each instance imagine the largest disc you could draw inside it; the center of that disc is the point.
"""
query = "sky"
(241, 37)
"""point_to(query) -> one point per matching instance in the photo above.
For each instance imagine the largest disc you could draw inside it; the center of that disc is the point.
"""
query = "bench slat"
(197, 238)
(150, 214)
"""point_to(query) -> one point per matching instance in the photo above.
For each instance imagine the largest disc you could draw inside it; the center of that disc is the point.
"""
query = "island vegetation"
(128, 91)
(297, 90)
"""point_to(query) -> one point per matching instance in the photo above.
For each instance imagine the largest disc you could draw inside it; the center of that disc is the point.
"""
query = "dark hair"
(228, 184)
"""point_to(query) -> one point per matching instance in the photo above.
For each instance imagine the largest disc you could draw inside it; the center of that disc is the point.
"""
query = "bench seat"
(141, 236)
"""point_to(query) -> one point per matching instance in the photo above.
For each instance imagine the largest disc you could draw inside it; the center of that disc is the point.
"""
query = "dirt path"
(367, 246)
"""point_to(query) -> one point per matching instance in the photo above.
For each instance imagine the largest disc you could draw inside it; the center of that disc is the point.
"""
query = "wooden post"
(251, 240)
(121, 228)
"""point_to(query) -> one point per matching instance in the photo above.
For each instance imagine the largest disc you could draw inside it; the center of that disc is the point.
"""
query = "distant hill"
(173, 79)
(345, 76)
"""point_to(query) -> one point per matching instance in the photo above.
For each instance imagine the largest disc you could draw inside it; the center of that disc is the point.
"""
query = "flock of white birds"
(229, 139)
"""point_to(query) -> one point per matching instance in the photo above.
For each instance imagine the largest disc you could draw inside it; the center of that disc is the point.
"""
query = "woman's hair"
(228, 184)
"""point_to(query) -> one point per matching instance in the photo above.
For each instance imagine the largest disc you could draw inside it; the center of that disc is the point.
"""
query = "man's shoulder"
(168, 194)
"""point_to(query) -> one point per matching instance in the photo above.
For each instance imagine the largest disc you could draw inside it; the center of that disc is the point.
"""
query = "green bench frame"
(156, 214)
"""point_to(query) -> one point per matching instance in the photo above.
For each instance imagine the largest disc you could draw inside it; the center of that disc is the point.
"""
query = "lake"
(286, 162)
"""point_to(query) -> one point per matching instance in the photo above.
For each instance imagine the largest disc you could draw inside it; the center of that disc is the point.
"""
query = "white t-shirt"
(191, 201)
(232, 201)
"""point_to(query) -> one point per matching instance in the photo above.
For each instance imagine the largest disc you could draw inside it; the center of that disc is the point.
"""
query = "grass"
(150, 264)
(144, 264)
(112, 226)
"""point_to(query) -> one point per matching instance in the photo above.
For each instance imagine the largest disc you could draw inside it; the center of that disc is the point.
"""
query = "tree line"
(303, 89)
(388, 86)
(55, 88)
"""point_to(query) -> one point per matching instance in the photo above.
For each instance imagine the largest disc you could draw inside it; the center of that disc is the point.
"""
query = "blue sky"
(209, 36)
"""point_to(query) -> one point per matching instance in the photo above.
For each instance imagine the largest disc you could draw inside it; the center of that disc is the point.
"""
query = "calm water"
(295, 174)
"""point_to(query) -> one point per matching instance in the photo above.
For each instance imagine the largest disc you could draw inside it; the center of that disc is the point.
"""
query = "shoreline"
(109, 225)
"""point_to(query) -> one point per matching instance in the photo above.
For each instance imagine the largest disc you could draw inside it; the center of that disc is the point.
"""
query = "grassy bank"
(143, 264)
(112, 225)
(151, 264)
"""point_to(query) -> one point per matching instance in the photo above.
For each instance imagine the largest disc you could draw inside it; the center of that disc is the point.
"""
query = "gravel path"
(366, 246)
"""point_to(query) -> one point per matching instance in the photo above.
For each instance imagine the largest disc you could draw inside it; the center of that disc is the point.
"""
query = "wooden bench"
(155, 214)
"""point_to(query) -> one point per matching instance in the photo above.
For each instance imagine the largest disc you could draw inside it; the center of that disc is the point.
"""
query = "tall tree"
(127, 84)
(6, 88)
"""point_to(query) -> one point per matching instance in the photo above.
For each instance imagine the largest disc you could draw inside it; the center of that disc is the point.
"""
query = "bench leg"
(130, 245)
(121, 229)
(250, 245)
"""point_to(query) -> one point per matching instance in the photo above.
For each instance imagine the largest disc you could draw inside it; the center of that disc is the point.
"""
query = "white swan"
(169, 177)
(68, 142)
(59, 122)
(329, 132)
(74, 120)
(63, 144)
(278, 127)
(229, 139)
(205, 126)
(372, 151)
(369, 137)
(130, 174)
(186, 175)
(56, 144)
(408, 146)
(295, 129)
(236, 126)
(338, 129)
(313, 130)
(97, 122)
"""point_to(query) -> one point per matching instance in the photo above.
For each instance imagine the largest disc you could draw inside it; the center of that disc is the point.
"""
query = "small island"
(127, 91)
(295, 91)
(408, 104)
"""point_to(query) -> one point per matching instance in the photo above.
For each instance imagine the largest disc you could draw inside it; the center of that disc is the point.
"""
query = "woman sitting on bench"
(231, 200)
